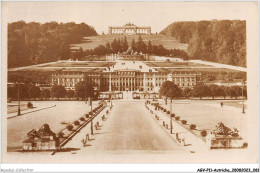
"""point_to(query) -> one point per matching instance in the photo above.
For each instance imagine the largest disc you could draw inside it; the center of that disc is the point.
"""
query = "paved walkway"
(129, 127)
(27, 111)
(191, 142)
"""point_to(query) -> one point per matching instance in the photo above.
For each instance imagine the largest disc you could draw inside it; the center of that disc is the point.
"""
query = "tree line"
(84, 90)
(27, 91)
(172, 91)
(33, 43)
(29, 77)
(139, 46)
(222, 41)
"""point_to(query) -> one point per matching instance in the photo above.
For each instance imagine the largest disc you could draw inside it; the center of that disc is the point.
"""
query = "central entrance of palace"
(127, 95)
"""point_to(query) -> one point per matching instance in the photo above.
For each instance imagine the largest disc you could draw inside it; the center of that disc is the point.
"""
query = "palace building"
(122, 76)
(129, 29)
(125, 76)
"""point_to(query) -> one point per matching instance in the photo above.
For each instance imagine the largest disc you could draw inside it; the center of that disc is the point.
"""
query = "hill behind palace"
(222, 41)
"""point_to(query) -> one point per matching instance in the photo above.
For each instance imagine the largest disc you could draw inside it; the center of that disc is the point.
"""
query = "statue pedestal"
(222, 141)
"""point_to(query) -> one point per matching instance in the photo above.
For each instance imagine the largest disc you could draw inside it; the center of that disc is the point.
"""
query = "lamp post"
(171, 115)
(85, 92)
(19, 110)
(91, 122)
(243, 104)
(111, 98)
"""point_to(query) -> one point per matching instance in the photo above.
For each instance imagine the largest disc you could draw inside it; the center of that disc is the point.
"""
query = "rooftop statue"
(129, 24)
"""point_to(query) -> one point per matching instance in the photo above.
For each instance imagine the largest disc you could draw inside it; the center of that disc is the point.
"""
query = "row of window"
(149, 84)
(160, 80)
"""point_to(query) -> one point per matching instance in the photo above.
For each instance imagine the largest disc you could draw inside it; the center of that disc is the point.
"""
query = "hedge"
(60, 134)
(183, 121)
(192, 126)
(76, 122)
(203, 133)
(69, 127)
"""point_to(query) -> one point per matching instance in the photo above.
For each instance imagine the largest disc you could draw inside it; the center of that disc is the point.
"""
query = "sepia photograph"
(120, 82)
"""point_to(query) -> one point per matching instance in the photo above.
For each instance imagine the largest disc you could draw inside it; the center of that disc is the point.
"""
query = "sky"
(100, 15)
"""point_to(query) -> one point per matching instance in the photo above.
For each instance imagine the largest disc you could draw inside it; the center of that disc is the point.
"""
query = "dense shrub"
(69, 127)
(168, 112)
(164, 110)
(210, 40)
(76, 122)
(82, 119)
(44, 42)
(183, 121)
(29, 105)
(203, 133)
(87, 115)
(177, 118)
(60, 134)
(192, 126)
(172, 115)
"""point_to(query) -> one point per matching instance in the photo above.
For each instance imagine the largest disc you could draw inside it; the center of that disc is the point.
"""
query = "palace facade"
(125, 80)
(129, 29)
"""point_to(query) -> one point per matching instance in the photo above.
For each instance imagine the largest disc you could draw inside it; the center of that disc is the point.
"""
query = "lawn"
(205, 114)
(197, 69)
(175, 64)
(18, 127)
(94, 41)
(79, 64)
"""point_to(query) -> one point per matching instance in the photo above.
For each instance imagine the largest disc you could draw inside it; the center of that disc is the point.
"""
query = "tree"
(70, 93)
(34, 92)
(221, 91)
(33, 43)
(222, 41)
(46, 93)
(201, 90)
(139, 44)
(11, 92)
(80, 53)
(214, 90)
(227, 91)
(125, 45)
(245, 91)
(150, 47)
(235, 91)
(187, 92)
(133, 45)
(115, 46)
(23, 91)
(58, 91)
(164, 88)
(173, 91)
(84, 89)
(108, 47)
